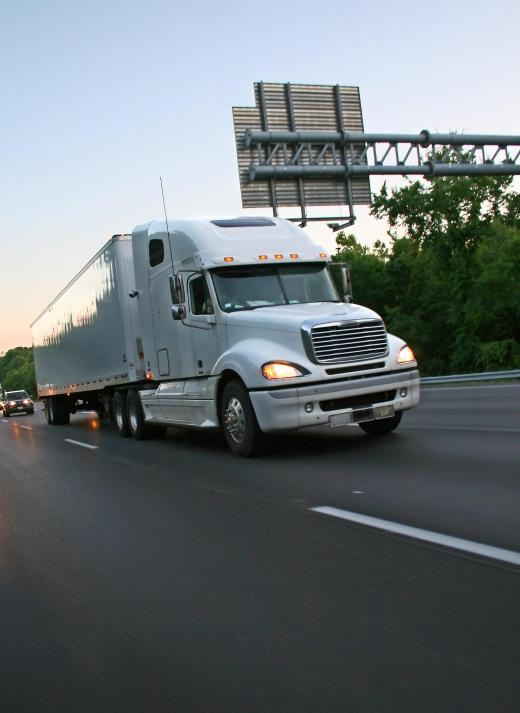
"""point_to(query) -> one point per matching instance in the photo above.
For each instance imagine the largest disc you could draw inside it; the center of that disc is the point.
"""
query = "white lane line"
(4, 420)
(80, 443)
(27, 428)
(479, 429)
(437, 538)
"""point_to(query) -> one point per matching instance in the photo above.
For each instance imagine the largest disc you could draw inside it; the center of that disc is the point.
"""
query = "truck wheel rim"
(234, 420)
(132, 417)
(119, 418)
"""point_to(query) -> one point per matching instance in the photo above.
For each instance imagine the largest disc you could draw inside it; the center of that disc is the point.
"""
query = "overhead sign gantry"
(304, 145)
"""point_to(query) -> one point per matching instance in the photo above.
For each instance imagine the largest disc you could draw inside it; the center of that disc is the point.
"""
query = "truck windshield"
(240, 288)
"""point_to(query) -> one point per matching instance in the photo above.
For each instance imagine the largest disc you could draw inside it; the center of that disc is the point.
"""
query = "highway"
(169, 576)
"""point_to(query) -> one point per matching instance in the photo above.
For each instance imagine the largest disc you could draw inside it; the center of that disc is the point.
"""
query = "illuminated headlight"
(12, 403)
(282, 370)
(26, 401)
(405, 355)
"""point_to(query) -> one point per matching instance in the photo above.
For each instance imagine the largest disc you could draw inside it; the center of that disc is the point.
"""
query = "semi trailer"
(234, 324)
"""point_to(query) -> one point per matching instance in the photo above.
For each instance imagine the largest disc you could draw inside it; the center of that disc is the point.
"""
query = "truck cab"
(243, 328)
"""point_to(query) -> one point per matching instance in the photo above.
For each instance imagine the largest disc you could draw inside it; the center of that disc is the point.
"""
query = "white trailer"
(232, 324)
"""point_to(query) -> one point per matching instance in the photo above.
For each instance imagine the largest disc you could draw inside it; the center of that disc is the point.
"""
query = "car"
(17, 402)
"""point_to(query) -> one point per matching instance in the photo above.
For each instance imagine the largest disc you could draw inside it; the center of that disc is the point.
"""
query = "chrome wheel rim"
(235, 420)
(132, 417)
(119, 417)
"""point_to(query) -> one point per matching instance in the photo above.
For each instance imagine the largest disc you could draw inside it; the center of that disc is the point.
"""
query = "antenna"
(166, 219)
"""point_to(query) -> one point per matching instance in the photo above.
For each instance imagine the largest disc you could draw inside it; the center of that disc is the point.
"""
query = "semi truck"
(233, 324)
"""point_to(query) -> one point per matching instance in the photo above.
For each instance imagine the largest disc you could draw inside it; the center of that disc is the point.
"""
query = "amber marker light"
(229, 259)
(323, 255)
(278, 256)
(293, 256)
(405, 355)
(263, 257)
(149, 375)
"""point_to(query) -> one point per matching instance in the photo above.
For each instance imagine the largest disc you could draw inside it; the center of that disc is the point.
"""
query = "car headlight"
(12, 403)
(282, 370)
(405, 355)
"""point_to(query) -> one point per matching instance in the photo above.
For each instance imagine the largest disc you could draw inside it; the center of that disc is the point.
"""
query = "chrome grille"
(338, 342)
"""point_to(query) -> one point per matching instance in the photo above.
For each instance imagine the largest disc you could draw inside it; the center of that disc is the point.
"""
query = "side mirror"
(346, 284)
(178, 312)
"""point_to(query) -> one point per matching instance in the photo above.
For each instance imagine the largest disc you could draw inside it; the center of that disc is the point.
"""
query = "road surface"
(169, 576)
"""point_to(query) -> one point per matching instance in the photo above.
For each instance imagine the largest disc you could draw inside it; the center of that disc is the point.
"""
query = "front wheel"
(381, 426)
(241, 429)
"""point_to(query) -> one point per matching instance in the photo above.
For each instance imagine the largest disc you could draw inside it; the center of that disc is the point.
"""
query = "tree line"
(448, 279)
(17, 370)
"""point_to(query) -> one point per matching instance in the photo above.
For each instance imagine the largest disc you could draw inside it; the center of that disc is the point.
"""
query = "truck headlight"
(405, 355)
(282, 370)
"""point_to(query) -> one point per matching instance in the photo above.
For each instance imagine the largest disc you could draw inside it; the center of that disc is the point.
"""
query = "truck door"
(171, 341)
(200, 319)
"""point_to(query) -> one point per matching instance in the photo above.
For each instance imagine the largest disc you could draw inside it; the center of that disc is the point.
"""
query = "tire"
(381, 426)
(6, 414)
(139, 429)
(120, 414)
(59, 411)
(47, 411)
(238, 419)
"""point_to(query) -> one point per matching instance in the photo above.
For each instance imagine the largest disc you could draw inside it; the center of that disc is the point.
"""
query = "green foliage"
(449, 284)
(17, 370)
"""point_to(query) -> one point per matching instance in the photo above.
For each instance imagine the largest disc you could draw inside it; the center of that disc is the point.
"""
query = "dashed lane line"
(80, 443)
(437, 538)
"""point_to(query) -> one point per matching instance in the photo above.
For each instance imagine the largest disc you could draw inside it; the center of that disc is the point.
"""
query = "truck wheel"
(241, 429)
(47, 412)
(58, 410)
(139, 429)
(381, 426)
(120, 414)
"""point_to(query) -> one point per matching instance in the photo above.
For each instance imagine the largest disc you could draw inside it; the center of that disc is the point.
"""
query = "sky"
(100, 98)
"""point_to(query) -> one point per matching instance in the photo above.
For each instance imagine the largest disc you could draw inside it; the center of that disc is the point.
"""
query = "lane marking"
(27, 428)
(437, 538)
(479, 429)
(80, 443)
(4, 420)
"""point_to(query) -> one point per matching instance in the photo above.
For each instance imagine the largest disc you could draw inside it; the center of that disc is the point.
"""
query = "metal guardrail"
(482, 376)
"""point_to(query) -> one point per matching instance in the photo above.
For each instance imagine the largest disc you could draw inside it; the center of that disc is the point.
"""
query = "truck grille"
(337, 342)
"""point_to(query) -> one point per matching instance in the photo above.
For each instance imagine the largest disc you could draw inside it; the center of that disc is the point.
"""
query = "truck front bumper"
(336, 403)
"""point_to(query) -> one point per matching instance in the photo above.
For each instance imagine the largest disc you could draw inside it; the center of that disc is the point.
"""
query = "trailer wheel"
(241, 429)
(120, 414)
(57, 411)
(381, 426)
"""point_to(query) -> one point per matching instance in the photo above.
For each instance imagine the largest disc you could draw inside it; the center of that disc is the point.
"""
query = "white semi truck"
(232, 324)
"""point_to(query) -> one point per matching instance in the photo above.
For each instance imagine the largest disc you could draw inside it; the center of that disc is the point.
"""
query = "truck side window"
(156, 252)
(200, 300)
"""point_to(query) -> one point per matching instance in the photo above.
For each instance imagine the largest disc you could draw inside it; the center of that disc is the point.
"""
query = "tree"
(17, 370)
(450, 282)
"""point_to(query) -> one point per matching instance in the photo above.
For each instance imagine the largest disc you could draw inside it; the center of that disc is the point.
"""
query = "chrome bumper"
(299, 407)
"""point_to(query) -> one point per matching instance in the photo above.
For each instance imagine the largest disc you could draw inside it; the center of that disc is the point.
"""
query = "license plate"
(340, 419)
(363, 414)
(20, 408)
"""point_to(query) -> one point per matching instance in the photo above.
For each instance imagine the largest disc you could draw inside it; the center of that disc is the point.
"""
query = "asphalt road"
(169, 576)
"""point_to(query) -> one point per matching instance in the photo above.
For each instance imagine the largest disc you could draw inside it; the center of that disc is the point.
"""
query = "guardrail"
(482, 376)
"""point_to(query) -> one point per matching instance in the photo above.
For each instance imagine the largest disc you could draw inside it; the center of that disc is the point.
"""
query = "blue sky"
(100, 98)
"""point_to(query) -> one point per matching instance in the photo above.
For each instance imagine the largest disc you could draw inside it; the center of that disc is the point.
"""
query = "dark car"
(17, 402)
